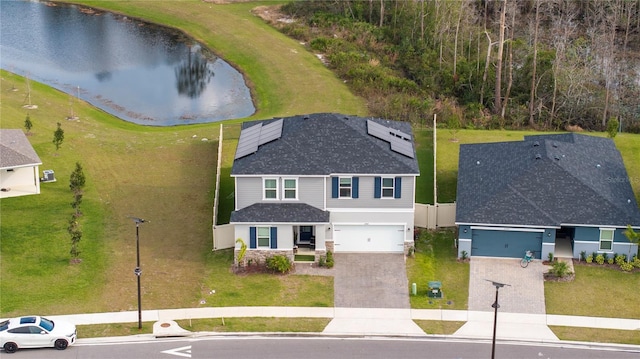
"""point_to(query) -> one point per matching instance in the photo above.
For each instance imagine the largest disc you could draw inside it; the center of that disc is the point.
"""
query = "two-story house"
(325, 181)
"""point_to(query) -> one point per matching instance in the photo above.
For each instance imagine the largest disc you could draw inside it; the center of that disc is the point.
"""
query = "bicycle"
(528, 256)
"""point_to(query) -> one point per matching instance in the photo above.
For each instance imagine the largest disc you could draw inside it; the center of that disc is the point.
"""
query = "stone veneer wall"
(407, 245)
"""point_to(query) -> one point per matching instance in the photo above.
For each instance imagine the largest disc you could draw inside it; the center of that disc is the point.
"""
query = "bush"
(330, 259)
(600, 259)
(583, 256)
(279, 263)
(550, 257)
(620, 258)
(464, 255)
(636, 262)
(626, 266)
(610, 260)
(560, 269)
(589, 258)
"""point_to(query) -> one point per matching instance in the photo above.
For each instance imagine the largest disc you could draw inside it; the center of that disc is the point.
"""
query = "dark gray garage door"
(511, 244)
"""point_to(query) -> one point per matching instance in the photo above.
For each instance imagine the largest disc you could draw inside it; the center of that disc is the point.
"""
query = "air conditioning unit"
(48, 176)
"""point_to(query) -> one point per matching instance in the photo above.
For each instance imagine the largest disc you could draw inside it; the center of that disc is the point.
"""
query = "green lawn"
(435, 259)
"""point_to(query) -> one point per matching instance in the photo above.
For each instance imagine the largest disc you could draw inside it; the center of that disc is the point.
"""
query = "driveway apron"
(370, 280)
(525, 293)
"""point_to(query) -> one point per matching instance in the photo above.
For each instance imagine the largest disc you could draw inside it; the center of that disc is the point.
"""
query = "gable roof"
(15, 150)
(545, 180)
(324, 144)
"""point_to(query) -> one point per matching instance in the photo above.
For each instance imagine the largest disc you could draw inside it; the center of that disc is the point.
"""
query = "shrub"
(560, 269)
(636, 262)
(626, 266)
(279, 263)
(600, 259)
(550, 256)
(464, 255)
(330, 259)
(620, 258)
(583, 256)
(610, 260)
(322, 261)
(589, 258)
(410, 251)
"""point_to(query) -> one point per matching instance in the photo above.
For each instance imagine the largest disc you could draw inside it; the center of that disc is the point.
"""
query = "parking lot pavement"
(370, 280)
(525, 290)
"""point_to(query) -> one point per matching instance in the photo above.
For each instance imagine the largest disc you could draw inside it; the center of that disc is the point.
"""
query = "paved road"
(370, 280)
(322, 348)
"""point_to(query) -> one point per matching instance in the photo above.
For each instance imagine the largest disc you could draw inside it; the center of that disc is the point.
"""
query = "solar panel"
(248, 142)
(271, 132)
(400, 141)
(378, 130)
(402, 146)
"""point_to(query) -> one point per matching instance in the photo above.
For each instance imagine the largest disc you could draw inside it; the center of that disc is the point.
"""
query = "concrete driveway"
(370, 280)
(525, 293)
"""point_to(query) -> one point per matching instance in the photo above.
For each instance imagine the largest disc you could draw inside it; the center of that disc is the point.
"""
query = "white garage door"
(370, 238)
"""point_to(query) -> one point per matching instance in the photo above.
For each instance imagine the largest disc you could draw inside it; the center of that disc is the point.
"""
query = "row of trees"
(486, 63)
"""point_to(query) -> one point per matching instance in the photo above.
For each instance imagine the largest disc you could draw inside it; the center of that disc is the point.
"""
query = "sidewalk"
(377, 321)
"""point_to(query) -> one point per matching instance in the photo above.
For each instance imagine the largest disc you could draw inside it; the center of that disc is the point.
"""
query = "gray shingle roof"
(280, 213)
(15, 150)
(325, 143)
(545, 180)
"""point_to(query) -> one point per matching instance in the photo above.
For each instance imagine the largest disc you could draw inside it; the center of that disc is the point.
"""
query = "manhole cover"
(165, 325)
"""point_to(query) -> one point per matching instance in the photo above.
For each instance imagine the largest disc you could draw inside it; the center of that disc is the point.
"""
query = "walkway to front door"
(370, 280)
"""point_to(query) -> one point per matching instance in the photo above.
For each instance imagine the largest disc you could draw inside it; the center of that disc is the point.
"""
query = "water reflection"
(136, 71)
(193, 74)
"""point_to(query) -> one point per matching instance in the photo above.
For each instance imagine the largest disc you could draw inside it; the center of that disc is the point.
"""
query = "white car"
(36, 332)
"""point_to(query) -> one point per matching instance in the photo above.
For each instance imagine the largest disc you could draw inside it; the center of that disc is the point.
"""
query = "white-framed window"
(270, 188)
(263, 237)
(290, 188)
(344, 187)
(606, 239)
(388, 185)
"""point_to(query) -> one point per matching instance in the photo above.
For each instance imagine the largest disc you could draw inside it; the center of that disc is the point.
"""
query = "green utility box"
(435, 289)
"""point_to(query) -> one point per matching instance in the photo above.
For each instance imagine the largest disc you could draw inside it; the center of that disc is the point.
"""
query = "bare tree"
(497, 106)
(534, 65)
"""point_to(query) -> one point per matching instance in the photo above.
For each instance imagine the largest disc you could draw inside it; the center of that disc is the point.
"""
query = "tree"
(58, 136)
(612, 127)
(28, 124)
(497, 105)
(633, 237)
(76, 235)
(76, 184)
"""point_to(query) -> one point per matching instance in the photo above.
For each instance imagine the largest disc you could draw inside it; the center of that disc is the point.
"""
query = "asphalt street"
(249, 347)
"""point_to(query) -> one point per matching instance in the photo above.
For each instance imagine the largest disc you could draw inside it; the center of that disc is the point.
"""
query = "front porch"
(563, 248)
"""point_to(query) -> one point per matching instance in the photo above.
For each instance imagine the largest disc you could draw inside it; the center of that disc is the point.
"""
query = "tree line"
(543, 64)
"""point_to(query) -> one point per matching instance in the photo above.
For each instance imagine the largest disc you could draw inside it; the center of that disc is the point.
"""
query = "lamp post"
(495, 305)
(138, 270)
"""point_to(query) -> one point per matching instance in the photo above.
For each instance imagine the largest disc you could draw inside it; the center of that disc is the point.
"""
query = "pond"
(137, 71)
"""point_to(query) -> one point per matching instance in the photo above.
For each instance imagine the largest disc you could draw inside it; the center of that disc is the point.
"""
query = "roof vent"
(306, 117)
(598, 165)
(557, 157)
(555, 144)
(628, 200)
(346, 118)
(538, 156)
(478, 163)
(536, 143)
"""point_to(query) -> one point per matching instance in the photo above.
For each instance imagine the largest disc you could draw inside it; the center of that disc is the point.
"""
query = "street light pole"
(138, 270)
(495, 305)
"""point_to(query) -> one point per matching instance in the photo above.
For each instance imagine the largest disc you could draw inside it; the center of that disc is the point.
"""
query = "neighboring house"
(19, 165)
(324, 182)
(544, 193)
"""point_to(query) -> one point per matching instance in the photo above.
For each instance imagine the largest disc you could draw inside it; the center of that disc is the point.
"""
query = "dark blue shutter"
(274, 237)
(252, 237)
(397, 191)
(334, 187)
(377, 187)
(354, 187)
